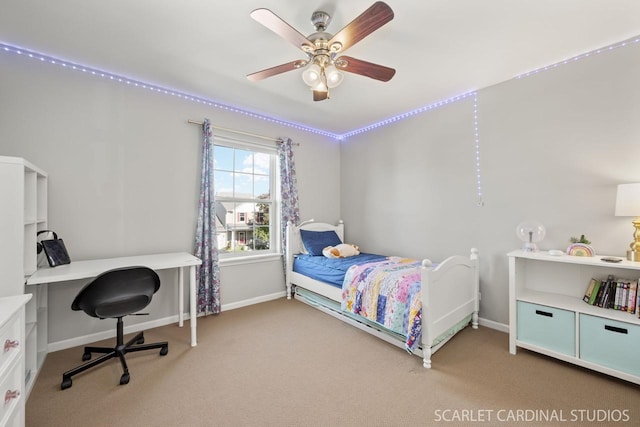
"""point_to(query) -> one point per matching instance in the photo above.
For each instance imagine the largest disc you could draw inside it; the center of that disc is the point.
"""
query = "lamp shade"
(628, 200)
(334, 77)
(311, 75)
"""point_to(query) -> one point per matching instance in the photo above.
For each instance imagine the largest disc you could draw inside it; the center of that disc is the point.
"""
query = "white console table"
(92, 268)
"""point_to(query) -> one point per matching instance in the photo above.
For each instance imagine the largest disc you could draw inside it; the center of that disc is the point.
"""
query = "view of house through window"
(244, 196)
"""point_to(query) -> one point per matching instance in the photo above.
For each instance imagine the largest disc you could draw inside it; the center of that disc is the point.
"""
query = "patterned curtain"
(206, 246)
(289, 211)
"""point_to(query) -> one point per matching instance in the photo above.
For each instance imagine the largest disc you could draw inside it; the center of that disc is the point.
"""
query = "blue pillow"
(315, 241)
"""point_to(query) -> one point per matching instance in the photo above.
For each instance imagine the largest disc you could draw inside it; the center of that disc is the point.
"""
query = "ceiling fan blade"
(364, 68)
(320, 95)
(370, 20)
(269, 72)
(281, 28)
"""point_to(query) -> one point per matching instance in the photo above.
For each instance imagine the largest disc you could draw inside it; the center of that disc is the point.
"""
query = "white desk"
(92, 268)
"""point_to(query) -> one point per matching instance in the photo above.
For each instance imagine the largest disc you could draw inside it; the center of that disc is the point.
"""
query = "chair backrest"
(118, 292)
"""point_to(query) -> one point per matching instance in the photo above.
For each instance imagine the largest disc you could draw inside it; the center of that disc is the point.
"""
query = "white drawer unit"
(12, 360)
(12, 392)
(10, 341)
(547, 313)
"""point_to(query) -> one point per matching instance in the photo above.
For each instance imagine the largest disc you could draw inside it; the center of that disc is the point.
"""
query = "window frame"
(274, 200)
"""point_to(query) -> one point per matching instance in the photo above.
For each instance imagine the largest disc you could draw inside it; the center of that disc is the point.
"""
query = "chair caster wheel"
(164, 351)
(140, 340)
(66, 383)
(124, 379)
(86, 356)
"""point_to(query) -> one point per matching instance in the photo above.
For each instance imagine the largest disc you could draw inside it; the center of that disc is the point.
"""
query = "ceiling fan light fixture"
(334, 76)
(322, 70)
(312, 75)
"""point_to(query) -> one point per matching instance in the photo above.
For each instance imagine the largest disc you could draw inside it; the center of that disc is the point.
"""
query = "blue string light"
(609, 48)
(477, 143)
(159, 89)
(406, 115)
(339, 137)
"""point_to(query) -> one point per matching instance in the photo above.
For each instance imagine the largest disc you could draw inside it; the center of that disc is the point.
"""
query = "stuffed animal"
(342, 250)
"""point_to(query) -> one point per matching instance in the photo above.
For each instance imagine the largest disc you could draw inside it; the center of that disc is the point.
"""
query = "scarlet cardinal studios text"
(531, 415)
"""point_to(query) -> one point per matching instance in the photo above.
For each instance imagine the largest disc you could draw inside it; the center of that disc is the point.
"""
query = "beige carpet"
(283, 363)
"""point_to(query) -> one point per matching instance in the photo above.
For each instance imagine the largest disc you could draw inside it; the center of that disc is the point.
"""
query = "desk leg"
(193, 303)
(180, 296)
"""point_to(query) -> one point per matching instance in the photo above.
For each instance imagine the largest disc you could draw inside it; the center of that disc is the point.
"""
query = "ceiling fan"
(323, 66)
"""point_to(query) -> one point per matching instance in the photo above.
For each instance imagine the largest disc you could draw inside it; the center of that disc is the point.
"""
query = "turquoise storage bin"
(610, 343)
(551, 328)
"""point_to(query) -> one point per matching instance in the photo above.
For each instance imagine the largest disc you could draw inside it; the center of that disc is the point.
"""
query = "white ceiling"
(440, 48)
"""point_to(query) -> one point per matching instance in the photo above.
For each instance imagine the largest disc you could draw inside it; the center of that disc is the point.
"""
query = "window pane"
(262, 171)
(261, 235)
(223, 183)
(261, 187)
(243, 187)
(222, 158)
(244, 161)
(262, 213)
(225, 223)
(261, 240)
(262, 164)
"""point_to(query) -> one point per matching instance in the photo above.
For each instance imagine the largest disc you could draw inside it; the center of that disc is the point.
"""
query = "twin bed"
(416, 305)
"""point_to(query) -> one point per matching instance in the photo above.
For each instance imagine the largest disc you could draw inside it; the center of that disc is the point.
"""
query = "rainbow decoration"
(580, 249)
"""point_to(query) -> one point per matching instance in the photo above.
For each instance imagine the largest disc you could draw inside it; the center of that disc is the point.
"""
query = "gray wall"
(124, 173)
(553, 147)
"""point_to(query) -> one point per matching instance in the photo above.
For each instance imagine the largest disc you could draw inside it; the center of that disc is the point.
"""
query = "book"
(621, 297)
(612, 294)
(607, 294)
(633, 288)
(589, 291)
(594, 293)
(618, 295)
(598, 299)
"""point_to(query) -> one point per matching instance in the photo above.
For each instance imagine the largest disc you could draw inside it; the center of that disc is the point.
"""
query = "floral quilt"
(388, 293)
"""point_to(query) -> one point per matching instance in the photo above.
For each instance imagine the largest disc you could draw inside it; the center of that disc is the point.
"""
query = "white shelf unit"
(23, 191)
(548, 315)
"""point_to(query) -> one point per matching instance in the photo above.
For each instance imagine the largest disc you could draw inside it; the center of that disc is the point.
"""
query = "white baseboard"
(98, 336)
(252, 301)
(494, 325)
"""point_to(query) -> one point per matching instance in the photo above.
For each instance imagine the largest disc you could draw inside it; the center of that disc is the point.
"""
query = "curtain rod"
(239, 132)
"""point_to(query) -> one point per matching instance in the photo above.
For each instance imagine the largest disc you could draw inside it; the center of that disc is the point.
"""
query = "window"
(245, 195)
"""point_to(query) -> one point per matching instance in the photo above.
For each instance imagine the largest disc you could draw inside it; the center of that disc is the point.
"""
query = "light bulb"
(311, 75)
(334, 77)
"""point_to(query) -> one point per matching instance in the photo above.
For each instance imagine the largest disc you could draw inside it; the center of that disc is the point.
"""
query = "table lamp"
(628, 204)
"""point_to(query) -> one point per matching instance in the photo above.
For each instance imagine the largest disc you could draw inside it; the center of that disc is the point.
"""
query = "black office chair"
(115, 294)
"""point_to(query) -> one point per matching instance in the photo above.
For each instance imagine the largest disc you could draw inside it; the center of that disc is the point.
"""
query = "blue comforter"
(330, 270)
